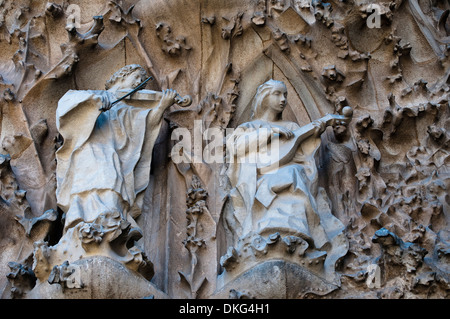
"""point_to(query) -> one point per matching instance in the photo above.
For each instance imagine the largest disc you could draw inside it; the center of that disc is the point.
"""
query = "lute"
(288, 147)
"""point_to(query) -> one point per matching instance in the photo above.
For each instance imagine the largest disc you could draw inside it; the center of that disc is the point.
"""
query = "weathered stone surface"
(97, 278)
(379, 223)
(276, 279)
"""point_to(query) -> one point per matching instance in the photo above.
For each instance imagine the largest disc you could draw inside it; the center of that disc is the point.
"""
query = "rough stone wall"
(386, 174)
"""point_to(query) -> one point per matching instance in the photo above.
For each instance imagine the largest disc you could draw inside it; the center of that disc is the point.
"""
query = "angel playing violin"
(104, 163)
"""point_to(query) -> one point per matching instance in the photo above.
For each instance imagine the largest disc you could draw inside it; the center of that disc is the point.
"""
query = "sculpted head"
(128, 77)
(270, 97)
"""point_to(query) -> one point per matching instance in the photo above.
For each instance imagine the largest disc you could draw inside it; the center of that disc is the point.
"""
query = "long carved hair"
(125, 71)
(262, 91)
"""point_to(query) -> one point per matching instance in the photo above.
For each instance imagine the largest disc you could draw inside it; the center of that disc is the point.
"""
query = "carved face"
(8, 144)
(130, 81)
(331, 74)
(277, 98)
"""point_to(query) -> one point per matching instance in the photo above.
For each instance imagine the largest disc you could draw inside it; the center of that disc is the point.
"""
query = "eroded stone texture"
(380, 182)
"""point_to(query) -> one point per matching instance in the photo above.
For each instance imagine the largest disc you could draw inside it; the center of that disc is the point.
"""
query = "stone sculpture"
(373, 222)
(103, 170)
(275, 194)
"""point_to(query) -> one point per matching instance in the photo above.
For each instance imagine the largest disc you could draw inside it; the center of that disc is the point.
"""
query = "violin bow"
(136, 89)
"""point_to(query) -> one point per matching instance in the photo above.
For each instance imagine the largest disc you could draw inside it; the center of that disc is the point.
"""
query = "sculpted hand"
(168, 98)
(319, 126)
(106, 102)
(283, 131)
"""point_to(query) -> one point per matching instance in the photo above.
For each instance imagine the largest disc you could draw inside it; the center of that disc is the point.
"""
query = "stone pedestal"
(95, 278)
(275, 279)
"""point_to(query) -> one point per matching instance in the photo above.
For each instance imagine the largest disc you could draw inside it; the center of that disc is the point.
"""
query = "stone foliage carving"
(381, 179)
(22, 279)
(172, 45)
(196, 213)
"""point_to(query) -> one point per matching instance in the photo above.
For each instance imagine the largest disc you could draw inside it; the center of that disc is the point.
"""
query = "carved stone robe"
(286, 199)
(104, 164)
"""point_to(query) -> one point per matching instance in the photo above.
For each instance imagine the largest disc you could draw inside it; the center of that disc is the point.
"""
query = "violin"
(150, 95)
(137, 94)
